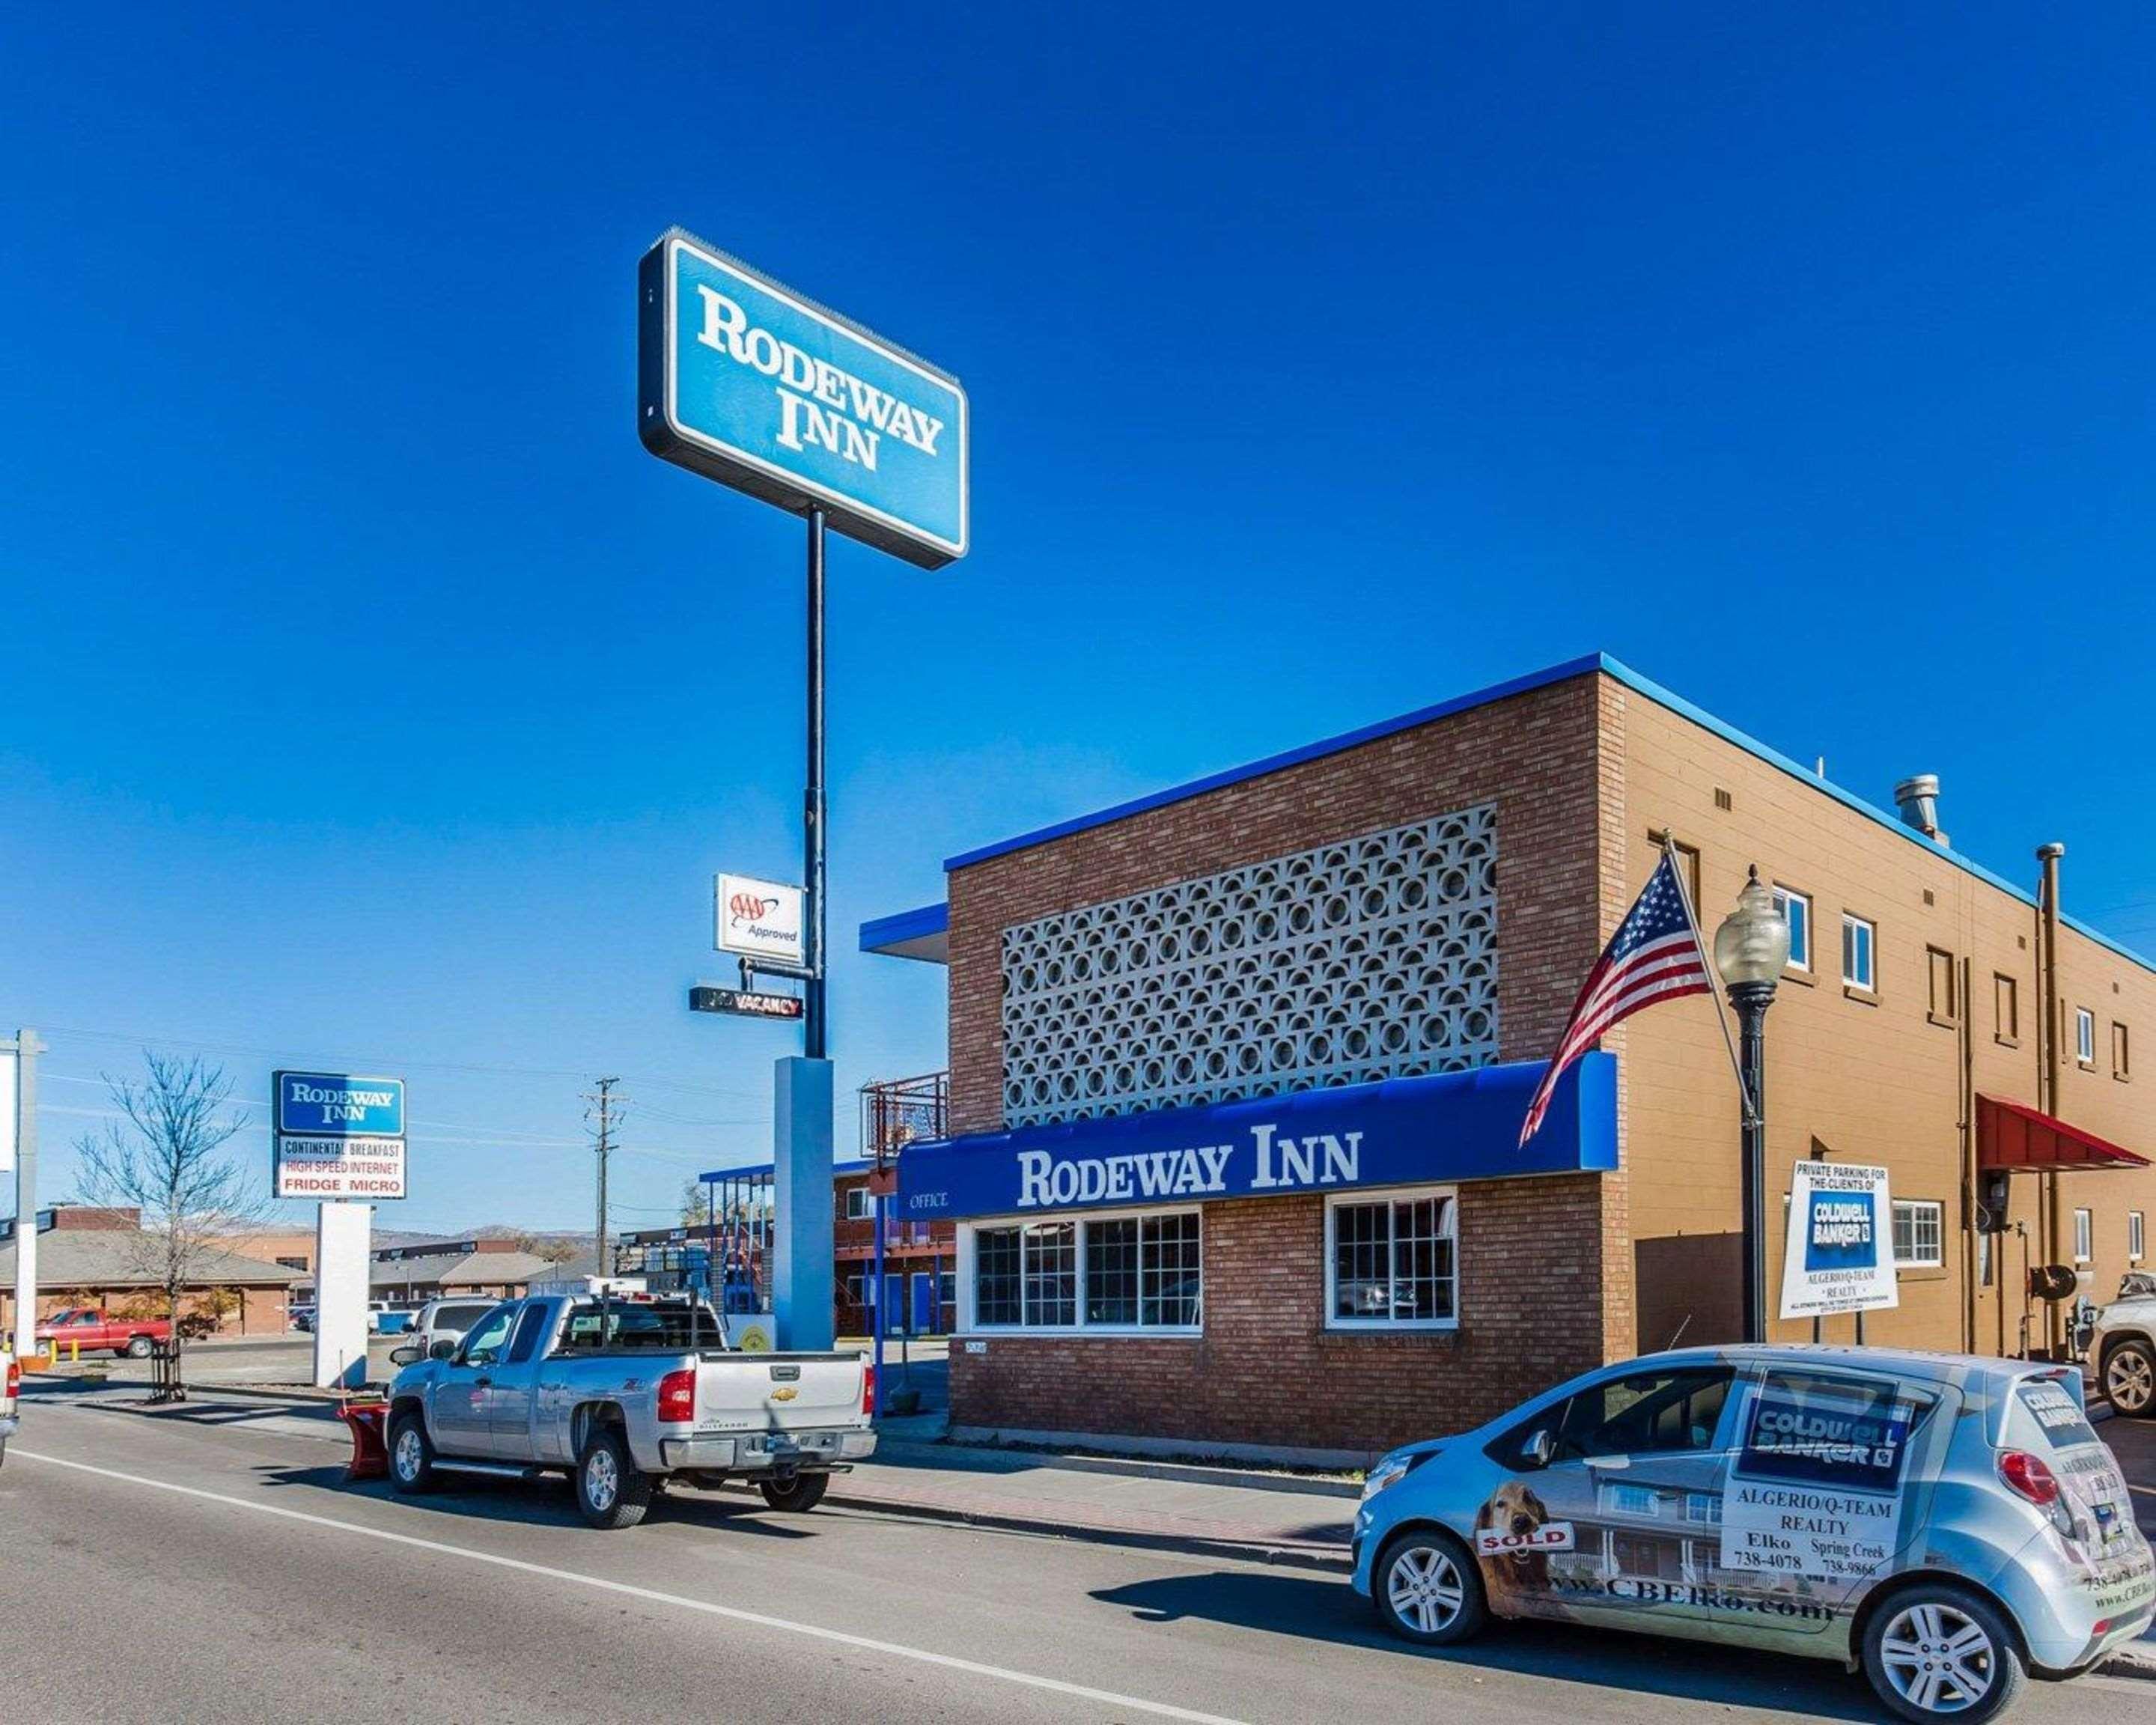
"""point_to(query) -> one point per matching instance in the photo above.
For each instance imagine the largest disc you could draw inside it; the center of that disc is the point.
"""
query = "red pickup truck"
(92, 1331)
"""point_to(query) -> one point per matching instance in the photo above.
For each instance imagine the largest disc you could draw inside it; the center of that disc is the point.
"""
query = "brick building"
(1321, 985)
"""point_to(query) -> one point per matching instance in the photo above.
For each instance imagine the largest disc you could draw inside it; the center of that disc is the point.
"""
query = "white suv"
(2124, 1349)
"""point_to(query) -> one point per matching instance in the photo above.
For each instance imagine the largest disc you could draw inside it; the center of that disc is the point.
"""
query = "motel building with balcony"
(1237, 1072)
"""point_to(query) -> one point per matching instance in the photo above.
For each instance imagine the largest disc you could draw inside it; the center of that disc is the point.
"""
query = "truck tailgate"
(778, 1391)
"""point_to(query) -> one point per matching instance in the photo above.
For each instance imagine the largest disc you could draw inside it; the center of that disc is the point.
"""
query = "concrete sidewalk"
(1277, 1518)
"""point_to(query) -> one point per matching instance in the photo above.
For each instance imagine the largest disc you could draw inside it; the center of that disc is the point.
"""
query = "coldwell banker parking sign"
(744, 382)
(1840, 1253)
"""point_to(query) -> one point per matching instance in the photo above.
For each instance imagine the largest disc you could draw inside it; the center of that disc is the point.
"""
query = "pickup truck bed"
(622, 1394)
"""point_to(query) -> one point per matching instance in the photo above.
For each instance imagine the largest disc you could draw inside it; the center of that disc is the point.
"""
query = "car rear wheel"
(1937, 1651)
(2130, 1378)
(1427, 1589)
(411, 1455)
(138, 1348)
(611, 1491)
(799, 1495)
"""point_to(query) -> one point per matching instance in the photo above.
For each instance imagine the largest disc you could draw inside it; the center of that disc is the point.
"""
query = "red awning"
(2010, 1136)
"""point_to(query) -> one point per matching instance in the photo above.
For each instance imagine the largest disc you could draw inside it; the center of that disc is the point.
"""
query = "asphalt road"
(208, 1564)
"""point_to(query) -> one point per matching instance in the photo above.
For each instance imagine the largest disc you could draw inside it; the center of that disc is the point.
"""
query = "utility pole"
(21, 1131)
(607, 1108)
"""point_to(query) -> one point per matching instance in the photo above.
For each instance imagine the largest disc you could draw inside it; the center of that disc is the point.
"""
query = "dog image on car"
(1511, 1577)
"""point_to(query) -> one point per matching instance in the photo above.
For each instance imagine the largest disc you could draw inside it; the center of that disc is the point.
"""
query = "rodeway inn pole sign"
(744, 382)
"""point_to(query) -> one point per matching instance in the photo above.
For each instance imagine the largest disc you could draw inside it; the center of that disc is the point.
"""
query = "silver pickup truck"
(624, 1394)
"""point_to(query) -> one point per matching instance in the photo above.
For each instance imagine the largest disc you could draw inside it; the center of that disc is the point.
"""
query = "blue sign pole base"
(804, 1245)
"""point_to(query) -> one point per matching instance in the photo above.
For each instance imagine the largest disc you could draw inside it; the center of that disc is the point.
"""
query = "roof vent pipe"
(1917, 798)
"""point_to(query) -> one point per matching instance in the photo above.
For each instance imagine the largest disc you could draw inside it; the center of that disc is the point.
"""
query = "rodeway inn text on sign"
(750, 384)
(1275, 1164)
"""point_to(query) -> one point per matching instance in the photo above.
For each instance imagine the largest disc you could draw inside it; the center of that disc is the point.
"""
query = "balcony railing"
(898, 1111)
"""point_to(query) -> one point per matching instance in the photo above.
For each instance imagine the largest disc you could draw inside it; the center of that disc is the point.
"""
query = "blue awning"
(1446, 1127)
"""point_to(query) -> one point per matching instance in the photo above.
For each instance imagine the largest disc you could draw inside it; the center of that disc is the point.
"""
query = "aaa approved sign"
(1839, 1255)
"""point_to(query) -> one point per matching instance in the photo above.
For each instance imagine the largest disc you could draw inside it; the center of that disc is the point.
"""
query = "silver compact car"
(1948, 1522)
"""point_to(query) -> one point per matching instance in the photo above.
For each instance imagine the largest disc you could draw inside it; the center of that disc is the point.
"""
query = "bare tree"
(695, 1204)
(163, 1158)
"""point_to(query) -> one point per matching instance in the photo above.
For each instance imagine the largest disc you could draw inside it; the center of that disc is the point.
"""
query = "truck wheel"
(1936, 1651)
(611, 1491)
(2130, 1378)
(138, 1348)
(796, 1496)
(411, 1455)
(1428, 1589)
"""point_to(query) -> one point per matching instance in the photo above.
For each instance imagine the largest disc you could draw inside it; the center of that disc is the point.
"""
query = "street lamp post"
(1750, 949)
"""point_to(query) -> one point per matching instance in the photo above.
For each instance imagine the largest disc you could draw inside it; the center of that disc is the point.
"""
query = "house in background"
(94, 1256)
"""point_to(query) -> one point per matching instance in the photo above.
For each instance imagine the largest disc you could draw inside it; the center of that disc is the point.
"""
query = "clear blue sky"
(368, 696)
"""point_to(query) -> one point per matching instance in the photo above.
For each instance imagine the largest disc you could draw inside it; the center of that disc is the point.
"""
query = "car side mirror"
(406, 1355)
(442, 1347)
(1540, 1450)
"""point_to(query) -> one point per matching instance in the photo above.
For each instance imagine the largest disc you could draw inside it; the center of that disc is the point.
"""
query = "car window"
(1646, 1413)
(529, 1329)
(2044, 1416)
(485, 1342)
(458, 1318)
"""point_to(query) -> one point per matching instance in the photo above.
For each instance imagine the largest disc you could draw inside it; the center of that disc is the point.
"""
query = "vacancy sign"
(1839, 1255)
(338, 1136)
(760, 919)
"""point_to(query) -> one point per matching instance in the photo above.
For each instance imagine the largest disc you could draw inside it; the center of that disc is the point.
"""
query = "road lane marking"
(1027, 1679)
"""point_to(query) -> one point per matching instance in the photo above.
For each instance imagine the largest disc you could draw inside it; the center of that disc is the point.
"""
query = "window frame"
(2137, 1236)
(1389, 1196)
(2121, 1052)
(1914, 1206)
(2005, 1026)
(1939, 963)
(1870, 986)
(2084, 1235)
(968, 1287)
(867, 1211)
(2085, 1038)
(1784, 897)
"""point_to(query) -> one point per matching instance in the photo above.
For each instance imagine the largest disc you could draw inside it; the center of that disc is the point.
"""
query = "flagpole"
(1721, 1015)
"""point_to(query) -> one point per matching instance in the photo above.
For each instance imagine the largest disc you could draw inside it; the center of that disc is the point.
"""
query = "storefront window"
(1052, 1273)
(1097, 1272)
(996, 1283)
(1391, 1263)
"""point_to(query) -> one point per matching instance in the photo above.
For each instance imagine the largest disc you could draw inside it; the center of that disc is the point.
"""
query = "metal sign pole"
(814, 1038)
(24, 1128)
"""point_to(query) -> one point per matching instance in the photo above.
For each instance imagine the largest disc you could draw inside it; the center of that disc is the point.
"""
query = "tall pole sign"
(19, 1154)
(746, 382)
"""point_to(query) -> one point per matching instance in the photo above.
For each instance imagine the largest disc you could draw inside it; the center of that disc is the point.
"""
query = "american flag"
(1654, 956)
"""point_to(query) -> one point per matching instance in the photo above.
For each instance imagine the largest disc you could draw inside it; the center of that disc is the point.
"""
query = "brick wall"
(1266, 1371)
(1533, 755)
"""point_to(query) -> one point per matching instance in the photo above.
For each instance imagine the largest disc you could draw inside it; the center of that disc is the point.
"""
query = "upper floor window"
(1797, 910)
(2136, 1236)
(1946, 994)
(2084, 1236)
(1919, 1233)
(1857, 957)
(2005, 1011)
(2085, 1036)
(2119, 1063)
(860, 1206)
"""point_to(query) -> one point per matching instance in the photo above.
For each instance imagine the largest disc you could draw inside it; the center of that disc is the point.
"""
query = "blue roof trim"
(1571, 668)
(856, 1165)
(903, 925)
(1684, 708)
(1275, 763)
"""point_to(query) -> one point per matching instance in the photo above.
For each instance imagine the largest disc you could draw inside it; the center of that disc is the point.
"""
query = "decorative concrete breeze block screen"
(1375, 958)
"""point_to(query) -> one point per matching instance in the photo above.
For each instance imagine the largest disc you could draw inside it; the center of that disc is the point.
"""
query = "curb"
(2129, 1661)
(1014, 1458)
(1250, 1552)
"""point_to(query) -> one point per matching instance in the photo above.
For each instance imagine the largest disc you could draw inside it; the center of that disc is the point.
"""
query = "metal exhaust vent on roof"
(1917, 798)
